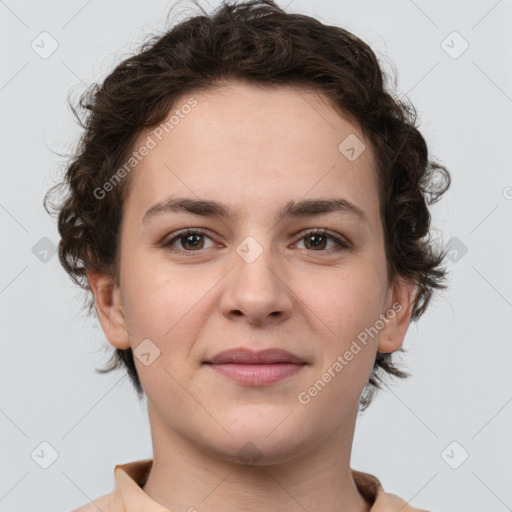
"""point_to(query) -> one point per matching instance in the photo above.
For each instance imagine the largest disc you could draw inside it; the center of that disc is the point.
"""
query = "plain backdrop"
(440, 438)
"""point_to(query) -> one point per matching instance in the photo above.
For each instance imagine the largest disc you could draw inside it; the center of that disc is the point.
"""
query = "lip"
(247, 356)
(256, 368)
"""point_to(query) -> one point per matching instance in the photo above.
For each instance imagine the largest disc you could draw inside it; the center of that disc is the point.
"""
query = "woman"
(248, 210)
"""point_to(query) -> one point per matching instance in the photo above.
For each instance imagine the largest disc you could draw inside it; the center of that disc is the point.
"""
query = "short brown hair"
(256, 42)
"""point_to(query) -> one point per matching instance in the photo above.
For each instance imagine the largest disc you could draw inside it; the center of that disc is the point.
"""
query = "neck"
(184, 476)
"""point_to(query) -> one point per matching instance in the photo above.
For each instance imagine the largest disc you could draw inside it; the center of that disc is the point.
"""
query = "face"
(309, 280)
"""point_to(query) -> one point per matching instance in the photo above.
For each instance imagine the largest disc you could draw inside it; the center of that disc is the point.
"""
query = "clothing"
(128, 495)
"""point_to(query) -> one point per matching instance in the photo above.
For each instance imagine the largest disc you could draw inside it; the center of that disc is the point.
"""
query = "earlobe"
(109, 308)
(398, 314)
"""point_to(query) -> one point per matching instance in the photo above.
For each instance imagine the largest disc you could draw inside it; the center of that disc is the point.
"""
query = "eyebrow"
(208, 208)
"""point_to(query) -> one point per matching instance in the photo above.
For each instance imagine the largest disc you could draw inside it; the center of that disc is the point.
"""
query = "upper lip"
(248, 356)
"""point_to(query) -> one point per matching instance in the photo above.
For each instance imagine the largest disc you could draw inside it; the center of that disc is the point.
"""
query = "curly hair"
(256, 42)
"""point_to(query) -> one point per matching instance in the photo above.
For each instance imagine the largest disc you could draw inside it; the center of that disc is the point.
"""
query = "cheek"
(344, 311)
(157, 294)
(169, 308)
(344, 302)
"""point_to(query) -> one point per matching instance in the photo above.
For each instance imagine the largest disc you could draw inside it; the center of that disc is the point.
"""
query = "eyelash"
(340, 244)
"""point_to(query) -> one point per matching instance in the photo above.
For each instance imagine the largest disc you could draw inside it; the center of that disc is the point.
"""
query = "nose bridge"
(256, 287)
(255, 261)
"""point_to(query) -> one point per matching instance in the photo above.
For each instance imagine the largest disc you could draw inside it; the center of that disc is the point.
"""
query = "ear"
(398, 312)
(107, 298)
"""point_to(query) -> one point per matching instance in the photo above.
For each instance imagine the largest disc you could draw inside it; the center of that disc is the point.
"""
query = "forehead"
(250, 145)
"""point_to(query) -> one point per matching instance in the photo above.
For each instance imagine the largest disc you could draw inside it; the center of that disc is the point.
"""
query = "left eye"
(316, 239)
(339, 244)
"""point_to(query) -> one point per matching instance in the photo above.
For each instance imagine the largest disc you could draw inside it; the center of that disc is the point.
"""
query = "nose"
(257, 289)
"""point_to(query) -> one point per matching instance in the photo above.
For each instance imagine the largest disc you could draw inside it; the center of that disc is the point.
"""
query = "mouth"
(256, 368)
(247, 356)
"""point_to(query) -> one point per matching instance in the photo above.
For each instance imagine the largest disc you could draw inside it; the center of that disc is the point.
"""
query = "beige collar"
(128, 495)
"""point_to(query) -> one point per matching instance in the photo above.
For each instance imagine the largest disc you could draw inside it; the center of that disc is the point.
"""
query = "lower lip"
(257, 374)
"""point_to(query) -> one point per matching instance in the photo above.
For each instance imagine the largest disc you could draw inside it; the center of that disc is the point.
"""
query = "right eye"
(190, 237)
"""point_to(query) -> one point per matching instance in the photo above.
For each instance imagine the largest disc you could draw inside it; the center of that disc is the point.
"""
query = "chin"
(260, 443)
(256, 453)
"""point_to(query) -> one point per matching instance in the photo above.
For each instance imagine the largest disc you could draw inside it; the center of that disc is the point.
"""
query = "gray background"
(459, 352)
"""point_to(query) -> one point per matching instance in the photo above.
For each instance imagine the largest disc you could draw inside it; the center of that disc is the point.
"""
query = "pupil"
(189, 237)
(311, 237)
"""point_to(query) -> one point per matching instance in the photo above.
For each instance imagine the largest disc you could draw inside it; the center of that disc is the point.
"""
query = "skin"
(253, 149)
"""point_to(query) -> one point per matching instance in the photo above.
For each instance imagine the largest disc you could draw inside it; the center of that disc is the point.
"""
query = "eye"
(190, 240)
(317, 239)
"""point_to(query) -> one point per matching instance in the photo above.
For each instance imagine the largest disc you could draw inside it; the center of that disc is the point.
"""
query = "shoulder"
(107, 503)
(128, 478)
(371, 489)
(388, 502)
